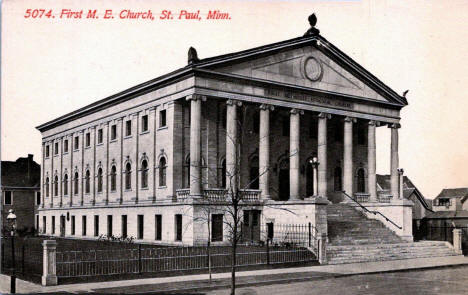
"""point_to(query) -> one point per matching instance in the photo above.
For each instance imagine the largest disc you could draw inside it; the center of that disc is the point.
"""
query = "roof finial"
(313, 30)
(192, 56)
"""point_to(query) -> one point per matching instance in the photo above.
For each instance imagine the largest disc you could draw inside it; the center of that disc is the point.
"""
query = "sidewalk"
(244, 278)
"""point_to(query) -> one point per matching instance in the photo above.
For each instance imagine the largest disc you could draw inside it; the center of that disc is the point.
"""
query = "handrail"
(373, 212)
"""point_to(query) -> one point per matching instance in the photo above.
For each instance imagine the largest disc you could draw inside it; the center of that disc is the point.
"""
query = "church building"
(295, 120)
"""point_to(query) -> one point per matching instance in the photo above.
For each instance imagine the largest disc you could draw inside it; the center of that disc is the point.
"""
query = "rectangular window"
(99, 136)
(37, 223)
(162, 118)
(444, 202)
(158, 227)
(47, 151)
(113, 132)
(8, 198)
(73, 225)
(128, 128)
(38, 198)
(83, 225)
(144, 123)
(246, 218)
(56, 148)
(96, 225)
(53, 224)
(140, 227)
(124, 226)
(217, 227)
(109, 225)
(65, 146)
(44, 224)
(88, 139)
(178, 227)
(77, 142)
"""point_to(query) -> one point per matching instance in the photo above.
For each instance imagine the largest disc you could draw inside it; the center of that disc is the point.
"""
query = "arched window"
(56, 185)
(47, 187)
(113, 178)
(87, 185)
(361, 182)
(254, 173)
(337, 178)
(186, 181)
(128, 176)
(144, 174)
(99, 180)
(65, 184)
(76, 183)
(162, 172)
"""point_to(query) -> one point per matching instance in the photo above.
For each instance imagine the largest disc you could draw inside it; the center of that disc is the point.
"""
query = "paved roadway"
(452, 280)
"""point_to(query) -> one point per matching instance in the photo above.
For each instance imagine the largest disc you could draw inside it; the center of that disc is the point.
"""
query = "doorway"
(251, 226)
(62, 226)
(283, 180)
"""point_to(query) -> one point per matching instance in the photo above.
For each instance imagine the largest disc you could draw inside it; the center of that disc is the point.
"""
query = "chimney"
(30, 160)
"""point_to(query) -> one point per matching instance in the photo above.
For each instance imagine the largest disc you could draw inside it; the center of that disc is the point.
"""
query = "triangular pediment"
(306, 67)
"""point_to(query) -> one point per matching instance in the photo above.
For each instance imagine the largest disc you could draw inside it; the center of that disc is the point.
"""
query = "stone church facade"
(298, 119)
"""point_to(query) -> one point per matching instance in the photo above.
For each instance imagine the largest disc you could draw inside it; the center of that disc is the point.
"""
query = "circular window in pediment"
(312, 68)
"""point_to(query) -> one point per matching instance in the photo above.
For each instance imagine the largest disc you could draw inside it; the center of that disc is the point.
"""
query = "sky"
(52, 66)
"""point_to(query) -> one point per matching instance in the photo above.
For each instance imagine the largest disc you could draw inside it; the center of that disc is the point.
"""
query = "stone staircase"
(355, 238)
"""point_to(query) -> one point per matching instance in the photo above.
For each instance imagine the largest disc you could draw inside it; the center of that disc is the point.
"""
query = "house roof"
(447, 214)
(22, 173)
(453, 193)
(383, 184)
(204, 65)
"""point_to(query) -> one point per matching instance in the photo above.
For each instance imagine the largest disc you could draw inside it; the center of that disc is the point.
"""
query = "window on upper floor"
(56, 148)
(47, 187)
(87, 182)
(162, 172)
(65, 146)
(128, 128)
(113, 132)
(65, 184)
(88, 139)
(99, 180)
(75, 183)
(128, 176)
(47, 151)
(77, 142)
(444, 202)
(38, 198)
(99, 136)
(8, 198)
(113, 178)
(144, 123)
(144, 174)
(56, 186)
(162, 118)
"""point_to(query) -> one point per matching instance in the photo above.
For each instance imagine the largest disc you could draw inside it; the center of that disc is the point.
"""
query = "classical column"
(195, 144)
(294, 150)
(394, 161)
(348, 156)
(264, 153)
(371, 161)
(231, 146)
(321, 183)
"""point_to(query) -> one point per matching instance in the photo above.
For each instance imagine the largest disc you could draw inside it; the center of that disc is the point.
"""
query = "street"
(435, 281)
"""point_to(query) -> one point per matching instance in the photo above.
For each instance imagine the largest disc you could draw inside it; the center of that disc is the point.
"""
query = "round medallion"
(312, 69)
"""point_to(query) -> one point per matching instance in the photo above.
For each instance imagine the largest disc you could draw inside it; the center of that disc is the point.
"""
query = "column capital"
(231, 102)
(195, 97)
(295, 111)
(394, 125)
(374, 123)
(400, 171)
(266, 107)
(324, 116)
(350, 119)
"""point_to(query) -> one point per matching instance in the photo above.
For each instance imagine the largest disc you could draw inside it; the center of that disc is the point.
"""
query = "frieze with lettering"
(285, 94)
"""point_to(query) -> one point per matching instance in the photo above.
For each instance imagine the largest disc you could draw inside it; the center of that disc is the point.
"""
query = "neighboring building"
(138, 162)
(20, 188)
(450, 199)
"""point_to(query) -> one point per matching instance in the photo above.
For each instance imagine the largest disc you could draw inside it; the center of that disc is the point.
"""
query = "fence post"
(310, 234)
(22, 259)
(457, 240)
(322, 248)
(49, 274)
(268, 251)
(139, 258)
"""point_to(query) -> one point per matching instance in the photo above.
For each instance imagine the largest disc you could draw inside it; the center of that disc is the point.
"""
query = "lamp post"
(11, 219)
(315, 163)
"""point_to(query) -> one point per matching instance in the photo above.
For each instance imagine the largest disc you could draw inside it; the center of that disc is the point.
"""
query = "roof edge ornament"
(313, 31)
(192, 56)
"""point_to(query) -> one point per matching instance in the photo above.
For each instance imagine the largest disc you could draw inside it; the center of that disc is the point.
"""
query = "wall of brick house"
(24, 207)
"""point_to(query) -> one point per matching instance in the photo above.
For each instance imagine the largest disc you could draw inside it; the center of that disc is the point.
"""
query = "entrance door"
(62, 226)
(310, 179)
(283, 180)
(251, 226)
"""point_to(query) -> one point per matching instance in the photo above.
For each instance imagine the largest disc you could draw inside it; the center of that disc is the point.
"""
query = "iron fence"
(445, 233)
(28, 257)
(155, 260)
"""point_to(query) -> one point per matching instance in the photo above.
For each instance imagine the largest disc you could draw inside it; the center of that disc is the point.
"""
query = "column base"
(49, 280)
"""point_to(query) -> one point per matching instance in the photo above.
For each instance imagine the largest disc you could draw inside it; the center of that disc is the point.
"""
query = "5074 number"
(38, 13)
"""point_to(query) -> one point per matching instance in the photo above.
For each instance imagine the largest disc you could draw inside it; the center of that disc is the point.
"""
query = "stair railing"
(373, 212)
